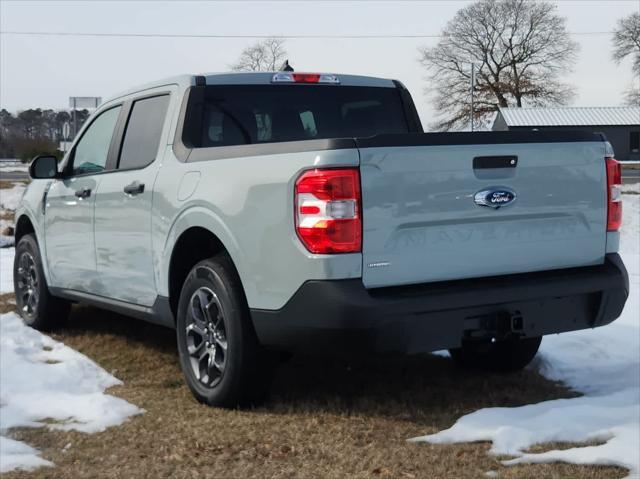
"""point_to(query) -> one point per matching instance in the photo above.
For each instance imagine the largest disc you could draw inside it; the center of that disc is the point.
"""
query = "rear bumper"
(342, 316)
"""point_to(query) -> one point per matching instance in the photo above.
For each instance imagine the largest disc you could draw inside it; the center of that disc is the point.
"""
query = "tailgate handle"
(486, 162)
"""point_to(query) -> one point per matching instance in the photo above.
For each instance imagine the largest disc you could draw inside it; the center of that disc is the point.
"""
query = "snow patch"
(631, 188)
(18, 455)
(6, 270)
(10, 197)
(42, 379)
(15, 165)
(6, 241)
(603, 364)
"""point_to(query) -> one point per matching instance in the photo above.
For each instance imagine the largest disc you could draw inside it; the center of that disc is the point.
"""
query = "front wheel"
(222, 361)
(507, 355)
(38, 308)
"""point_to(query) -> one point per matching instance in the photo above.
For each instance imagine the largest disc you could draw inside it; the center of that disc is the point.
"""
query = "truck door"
(123, 205)
(69, 207)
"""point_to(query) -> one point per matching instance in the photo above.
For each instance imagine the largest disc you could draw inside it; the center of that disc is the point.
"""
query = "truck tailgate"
(422, 221)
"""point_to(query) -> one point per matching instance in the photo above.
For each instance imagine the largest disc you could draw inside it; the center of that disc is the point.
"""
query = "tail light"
(328, 218)
(614, 194)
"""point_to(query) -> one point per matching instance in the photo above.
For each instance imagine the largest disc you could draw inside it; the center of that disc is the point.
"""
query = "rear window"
(254, 114)
(144, 128)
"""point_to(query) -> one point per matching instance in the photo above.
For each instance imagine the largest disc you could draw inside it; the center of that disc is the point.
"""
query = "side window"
(90, 154)
(309, 124)
(142, 135)
(365, 117)
(634, 141)
(223, 127)
(263, 122)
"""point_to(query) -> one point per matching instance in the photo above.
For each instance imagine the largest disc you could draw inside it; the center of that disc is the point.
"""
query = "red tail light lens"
(306, 77)
(327, 212)
(614, 194)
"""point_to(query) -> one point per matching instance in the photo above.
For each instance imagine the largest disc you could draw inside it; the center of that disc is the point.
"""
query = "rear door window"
(142, 136)
(254, 114)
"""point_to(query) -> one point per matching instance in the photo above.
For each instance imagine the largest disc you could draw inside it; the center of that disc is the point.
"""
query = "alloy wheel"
(28, 284)
(206, 337)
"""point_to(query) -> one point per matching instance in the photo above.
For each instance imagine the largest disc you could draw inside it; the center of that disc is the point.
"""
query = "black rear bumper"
(342, 316)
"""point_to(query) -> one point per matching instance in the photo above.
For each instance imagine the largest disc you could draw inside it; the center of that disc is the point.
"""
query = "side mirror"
(44, 167)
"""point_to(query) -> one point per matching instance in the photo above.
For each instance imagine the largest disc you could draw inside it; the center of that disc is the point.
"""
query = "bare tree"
(266, 55)
(520, 48)
(632, 96)
(626, 42)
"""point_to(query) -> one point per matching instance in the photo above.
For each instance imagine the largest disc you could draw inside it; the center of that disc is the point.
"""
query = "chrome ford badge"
(495, 197)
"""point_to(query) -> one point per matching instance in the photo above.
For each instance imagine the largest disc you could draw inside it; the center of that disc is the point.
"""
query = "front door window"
(91, 152)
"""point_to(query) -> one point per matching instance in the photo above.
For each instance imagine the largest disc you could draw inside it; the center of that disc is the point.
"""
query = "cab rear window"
(254, 114)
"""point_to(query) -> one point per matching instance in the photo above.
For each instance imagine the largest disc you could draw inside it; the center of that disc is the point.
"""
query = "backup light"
(327, 215)
(291, 77)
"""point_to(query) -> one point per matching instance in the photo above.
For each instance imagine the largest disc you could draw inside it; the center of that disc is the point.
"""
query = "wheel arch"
(196, 235)
(26, 223)
(24, 226)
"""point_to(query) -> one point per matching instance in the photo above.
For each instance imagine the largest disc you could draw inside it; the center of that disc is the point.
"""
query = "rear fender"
(198, 216)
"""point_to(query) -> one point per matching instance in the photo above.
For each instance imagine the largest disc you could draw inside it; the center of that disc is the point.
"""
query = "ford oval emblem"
(495, 197)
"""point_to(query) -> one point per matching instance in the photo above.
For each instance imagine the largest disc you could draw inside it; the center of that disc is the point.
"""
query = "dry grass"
(7, 215)
(561, 446)
(326, 418)
(8, 184)
(7, 303)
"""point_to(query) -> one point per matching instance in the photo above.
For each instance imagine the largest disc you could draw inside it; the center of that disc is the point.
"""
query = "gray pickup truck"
(261, 213)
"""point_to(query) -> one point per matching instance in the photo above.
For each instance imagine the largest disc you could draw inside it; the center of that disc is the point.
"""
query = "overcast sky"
(43, 71)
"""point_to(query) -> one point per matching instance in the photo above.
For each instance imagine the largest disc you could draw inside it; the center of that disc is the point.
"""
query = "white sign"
(66, 130)
(65, 146)
(76, 102)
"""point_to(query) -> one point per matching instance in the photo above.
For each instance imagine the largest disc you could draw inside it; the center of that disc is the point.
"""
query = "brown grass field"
(325, 419)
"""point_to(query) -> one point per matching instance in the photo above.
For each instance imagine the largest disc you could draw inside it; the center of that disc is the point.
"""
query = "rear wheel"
(38, 308)
(223, 363)
(507, 355)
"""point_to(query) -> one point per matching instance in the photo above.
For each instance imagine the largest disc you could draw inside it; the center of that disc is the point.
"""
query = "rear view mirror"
(44, 167)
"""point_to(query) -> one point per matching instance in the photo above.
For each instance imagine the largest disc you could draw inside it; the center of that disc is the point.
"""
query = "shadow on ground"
(411, 388)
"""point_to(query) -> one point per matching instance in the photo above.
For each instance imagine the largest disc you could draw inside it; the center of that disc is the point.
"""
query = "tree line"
(34, 131)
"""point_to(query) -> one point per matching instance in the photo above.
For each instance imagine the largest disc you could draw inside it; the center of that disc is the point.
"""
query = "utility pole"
(75, 121)
(473, 85)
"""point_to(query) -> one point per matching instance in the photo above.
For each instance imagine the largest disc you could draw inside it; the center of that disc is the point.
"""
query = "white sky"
(43, 71)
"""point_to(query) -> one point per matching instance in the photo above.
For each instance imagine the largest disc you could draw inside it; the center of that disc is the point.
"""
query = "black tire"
(508, 355)
(245, 372)
(34, 303)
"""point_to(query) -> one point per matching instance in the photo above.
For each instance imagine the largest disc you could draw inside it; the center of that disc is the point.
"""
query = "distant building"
(621, 125)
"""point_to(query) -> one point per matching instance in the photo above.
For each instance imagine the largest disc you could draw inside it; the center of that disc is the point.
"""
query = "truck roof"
(245, 78)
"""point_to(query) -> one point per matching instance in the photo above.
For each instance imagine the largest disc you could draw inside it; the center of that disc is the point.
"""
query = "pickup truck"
(261, 214)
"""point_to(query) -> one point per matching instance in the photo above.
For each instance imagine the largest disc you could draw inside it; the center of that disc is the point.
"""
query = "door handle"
(134, 188)
(83, 193)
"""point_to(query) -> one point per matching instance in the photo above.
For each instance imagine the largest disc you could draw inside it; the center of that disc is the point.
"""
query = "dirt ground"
(325, 419)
